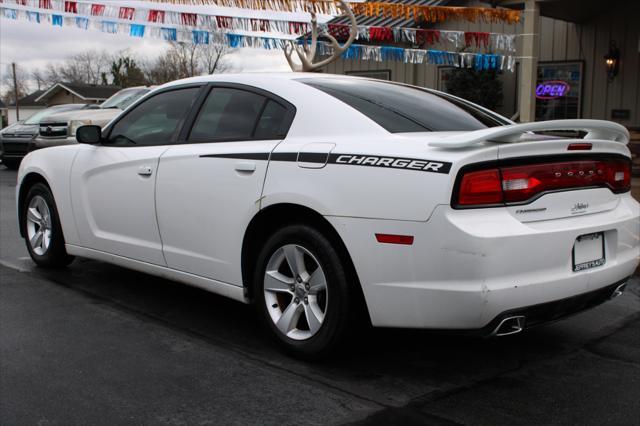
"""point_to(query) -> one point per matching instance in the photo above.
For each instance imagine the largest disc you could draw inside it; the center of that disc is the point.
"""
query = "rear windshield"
(399, 108)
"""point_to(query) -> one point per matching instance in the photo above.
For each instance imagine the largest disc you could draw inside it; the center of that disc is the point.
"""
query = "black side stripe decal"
(240, 156)
(415, 164)
(284, 156)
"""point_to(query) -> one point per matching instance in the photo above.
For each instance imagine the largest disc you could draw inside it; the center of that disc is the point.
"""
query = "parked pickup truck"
(18, 139)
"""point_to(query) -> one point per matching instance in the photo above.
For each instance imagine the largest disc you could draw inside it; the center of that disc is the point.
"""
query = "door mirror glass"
(91, 134)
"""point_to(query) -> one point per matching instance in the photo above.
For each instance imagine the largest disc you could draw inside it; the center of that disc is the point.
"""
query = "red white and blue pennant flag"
(266, 32)
(275, 25)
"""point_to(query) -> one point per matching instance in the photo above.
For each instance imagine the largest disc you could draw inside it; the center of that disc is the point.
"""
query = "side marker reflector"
(395, 239)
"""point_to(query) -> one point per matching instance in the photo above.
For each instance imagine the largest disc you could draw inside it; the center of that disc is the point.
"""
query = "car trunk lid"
(583, 177)
(541, 177)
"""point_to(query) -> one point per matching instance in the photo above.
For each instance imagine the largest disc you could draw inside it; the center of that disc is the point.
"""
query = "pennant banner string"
(480, 61)
(414, 36)
(394, 10)
(436, 13)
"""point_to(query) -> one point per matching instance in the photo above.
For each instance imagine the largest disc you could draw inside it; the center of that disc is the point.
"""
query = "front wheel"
(42, 230)
(302, 292)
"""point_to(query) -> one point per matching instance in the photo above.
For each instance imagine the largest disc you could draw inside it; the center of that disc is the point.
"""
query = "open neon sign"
(552, 89)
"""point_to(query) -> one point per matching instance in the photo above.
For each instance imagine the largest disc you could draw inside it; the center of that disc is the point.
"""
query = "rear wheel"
(42, 230)
(301, 291)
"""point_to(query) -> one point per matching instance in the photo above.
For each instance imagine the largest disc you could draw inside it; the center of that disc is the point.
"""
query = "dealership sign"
(552, 89)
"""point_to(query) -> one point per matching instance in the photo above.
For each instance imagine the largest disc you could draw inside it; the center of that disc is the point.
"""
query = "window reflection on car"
(45, 113)
(124, 98)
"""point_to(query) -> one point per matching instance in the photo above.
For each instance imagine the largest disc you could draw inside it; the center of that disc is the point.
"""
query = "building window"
(558, 90)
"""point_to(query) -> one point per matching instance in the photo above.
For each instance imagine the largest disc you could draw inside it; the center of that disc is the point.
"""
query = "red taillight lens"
(517, 184)
(482, 187)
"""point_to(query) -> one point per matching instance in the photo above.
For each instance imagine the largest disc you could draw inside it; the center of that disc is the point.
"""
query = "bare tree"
(184, 60)
(171, 65)
(211, 56)
(40, 78)
(7, 92)
(186, 56)
(180, 60)
(91, 65)
(83, 68)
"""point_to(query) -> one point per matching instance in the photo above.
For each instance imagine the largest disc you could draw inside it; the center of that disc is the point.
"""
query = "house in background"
(60, 94)
(68, 93)
(27, 106)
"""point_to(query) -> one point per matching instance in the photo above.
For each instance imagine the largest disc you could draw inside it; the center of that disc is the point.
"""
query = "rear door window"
(230, 114)
(272, 122)
(227, 114)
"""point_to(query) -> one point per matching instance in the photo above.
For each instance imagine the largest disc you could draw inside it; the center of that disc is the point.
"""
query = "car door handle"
(246, 166)
(145, 171)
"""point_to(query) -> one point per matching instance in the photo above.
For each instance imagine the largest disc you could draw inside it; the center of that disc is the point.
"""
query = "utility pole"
(15, 90)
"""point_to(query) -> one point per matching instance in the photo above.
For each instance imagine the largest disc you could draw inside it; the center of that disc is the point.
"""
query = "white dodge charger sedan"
(328, 199)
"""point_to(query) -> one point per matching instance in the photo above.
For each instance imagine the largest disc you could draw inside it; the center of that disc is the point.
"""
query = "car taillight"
(482, 187)
(519, 184)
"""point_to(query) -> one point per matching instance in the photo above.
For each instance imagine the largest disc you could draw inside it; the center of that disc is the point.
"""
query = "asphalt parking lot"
(98, 344)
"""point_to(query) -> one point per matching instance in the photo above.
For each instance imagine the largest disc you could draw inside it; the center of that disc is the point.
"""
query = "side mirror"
(90, 134)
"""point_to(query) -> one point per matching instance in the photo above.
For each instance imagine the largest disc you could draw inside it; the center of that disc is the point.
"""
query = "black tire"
(340, 298)
(11, 163)
(55, 255)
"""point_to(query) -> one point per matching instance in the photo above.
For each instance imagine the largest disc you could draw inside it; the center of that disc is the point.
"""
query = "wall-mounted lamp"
(612, 60)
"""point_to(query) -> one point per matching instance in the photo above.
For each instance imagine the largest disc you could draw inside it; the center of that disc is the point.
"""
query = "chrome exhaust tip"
(509, 325)
(619, 290)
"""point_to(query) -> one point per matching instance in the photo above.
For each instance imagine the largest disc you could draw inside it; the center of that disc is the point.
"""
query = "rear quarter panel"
(369, 191)
(357, 190)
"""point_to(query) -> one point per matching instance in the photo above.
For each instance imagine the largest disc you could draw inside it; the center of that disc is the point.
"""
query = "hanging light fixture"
(612, 60)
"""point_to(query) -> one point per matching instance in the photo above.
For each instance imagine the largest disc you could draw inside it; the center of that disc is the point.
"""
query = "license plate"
(588, 251)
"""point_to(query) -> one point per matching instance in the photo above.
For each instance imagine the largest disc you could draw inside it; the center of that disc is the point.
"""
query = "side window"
(155, 121)
(271, 122)
(227, 114)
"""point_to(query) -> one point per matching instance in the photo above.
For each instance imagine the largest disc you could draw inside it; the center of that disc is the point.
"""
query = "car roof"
(254, 77)
(310, 103)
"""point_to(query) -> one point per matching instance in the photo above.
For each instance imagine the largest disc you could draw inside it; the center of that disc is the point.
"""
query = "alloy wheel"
(295, 291)
(39, 225)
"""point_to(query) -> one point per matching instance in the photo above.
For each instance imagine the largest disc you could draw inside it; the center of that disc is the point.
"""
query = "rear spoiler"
(513, 133)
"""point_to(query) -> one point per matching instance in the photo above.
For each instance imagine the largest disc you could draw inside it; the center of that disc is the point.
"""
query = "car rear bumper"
(468, 268)
(552, 311)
